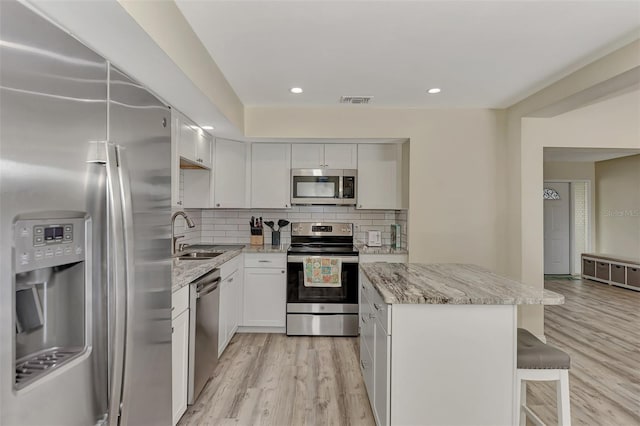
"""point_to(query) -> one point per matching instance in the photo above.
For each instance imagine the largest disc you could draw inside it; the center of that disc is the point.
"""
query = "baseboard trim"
(276, 330)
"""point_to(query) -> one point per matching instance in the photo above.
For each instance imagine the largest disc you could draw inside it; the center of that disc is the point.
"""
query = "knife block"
(257, 240)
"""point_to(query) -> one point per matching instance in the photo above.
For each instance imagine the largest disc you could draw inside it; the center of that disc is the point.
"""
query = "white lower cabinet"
(375, 347)
(265, 288)
(230, 301)
(179, 352)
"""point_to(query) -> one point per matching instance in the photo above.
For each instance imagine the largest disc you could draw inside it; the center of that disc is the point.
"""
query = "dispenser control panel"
(40, 243)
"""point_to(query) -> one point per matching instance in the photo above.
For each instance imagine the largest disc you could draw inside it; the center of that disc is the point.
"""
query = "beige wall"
(524, 165)
(166, 25)
(456, 179)
(618, 206)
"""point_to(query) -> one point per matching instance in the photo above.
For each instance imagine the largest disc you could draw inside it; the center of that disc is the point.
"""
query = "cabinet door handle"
(231, 279)
(171, 330)
(264, 261)
(218, 205)
(282, 271)
(364, 319)
(378, 307)
(179, 203)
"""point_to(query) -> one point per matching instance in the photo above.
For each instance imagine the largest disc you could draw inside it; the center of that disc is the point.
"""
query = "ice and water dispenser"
(50, 274)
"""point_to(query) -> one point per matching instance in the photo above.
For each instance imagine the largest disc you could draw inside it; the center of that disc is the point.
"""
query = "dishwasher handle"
(205, 288)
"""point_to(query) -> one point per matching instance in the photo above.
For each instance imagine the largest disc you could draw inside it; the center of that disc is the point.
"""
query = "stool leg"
(523, 403)
(562, 394)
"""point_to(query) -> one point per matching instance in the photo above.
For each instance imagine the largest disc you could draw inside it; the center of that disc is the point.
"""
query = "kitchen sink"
(198, 256)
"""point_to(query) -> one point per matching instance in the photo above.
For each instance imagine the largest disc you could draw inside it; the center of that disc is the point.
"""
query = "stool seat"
(534, 354)
(538, 361)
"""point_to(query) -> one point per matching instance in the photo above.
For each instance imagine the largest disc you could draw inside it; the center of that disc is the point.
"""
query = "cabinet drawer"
(617, 273)
(633, 276)
(379, 309)
(252, 260)
(602, 270)
(228, 268)
(589, 267)
(179, 301)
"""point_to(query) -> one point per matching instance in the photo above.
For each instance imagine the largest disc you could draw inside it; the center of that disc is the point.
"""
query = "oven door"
(301, 298)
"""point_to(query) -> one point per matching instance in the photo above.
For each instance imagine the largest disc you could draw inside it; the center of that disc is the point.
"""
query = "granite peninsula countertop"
(185, 271)
(364, 249)
(451, 283)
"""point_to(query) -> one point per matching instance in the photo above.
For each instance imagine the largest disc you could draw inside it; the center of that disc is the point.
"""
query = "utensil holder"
(275, 238)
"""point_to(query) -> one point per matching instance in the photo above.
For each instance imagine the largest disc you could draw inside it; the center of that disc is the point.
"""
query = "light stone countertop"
(451, 283)
(186, 271)
(364, 249)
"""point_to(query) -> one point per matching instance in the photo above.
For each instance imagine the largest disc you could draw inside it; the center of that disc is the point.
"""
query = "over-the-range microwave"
(323, 186)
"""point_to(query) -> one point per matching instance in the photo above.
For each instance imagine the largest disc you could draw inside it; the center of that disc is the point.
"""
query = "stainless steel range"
(322, 280)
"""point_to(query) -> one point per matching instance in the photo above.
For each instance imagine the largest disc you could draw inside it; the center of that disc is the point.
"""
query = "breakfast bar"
(438, 342)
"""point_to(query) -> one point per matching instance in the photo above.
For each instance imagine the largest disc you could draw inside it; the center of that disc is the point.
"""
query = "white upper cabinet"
(307, 156)
(191, 160)
(230, 180)
(194, 144)
(382, 176)
(341, 156)
(270, 175)
(324, 156)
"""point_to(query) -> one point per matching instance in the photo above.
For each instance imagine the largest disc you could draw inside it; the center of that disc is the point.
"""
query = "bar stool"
(538, 361)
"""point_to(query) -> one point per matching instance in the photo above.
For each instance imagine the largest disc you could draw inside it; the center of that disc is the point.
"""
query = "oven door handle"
(344, 259)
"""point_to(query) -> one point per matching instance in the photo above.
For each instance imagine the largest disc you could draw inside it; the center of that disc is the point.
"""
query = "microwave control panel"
(40, 243)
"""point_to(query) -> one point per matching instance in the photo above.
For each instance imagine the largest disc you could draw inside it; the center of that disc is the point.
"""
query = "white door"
(271, 175)
(265, 297)
(307, 155)
(180, 364)
(341, 156)
(557, 246)
(378, 172)
(230, 174)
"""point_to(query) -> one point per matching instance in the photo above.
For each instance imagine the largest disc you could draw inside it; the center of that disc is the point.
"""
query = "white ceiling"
(587, 155)
(481, 53)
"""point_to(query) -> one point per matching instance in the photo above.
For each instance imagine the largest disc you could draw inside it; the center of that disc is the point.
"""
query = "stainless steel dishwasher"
(203, 330)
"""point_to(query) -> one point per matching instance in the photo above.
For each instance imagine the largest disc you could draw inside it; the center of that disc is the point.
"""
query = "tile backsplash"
(230, 226)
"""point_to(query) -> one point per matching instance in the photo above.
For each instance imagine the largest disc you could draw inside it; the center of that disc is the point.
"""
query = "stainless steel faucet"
(174, 238)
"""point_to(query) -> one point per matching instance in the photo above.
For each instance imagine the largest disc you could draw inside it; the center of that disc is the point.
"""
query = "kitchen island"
(438, 342)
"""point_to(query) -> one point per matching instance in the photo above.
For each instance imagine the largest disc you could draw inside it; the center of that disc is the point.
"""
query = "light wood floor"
(599, 327)
(271, 379)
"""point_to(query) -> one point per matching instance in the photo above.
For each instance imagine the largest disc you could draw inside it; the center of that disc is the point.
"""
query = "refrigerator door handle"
(117, 283)
(129, 255)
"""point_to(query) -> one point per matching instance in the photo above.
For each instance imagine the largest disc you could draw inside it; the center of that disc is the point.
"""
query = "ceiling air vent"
(355, 99)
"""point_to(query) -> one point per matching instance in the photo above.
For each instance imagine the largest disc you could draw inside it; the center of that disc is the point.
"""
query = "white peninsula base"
(453, 364)
(439, 364)
(438, 343)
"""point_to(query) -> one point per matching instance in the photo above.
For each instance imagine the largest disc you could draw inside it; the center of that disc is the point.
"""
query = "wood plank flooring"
(599, 327)
(271, 379)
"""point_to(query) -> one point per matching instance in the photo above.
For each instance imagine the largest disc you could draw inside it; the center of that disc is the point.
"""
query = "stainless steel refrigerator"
(85, 272)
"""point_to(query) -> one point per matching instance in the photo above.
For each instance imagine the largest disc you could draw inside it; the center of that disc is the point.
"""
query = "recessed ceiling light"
(433, 91)
(208, 127)
(296, 90)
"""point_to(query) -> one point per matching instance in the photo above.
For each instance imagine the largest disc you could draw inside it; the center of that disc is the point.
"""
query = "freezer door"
(140, 126)
(53, 93)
